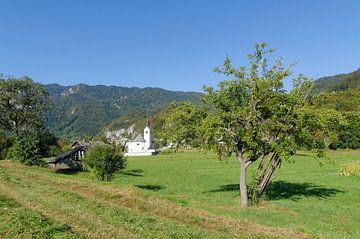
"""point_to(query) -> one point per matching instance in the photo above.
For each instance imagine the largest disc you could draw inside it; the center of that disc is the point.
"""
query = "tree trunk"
(243, 187)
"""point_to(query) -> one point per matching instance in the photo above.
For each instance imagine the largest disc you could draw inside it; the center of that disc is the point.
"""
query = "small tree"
(104, 162)
(252, 116)
(30, 147)
(255, 118)
(27, 149)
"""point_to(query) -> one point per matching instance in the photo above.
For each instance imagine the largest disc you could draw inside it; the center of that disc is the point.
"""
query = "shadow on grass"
(286, 190)
(69, 171)
(225, 188)
(150, 187)
(294, 191)
(133, 172)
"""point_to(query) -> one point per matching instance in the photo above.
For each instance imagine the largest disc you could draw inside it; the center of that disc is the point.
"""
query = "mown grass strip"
(155, 207)
(93, 219)
(18, 222)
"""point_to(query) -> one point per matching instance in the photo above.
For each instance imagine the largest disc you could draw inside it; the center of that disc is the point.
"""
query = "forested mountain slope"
(81, 110)
(339, 82)
(339, 92)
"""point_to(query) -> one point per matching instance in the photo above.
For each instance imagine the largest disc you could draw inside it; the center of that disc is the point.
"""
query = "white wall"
(147, 137)
(135, 147)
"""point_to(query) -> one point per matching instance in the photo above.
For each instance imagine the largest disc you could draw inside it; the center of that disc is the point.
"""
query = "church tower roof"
(147, 121)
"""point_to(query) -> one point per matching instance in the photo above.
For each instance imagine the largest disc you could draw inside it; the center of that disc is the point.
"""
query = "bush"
(104, 162)
(333, 146)
(350, 169)
(27, 149)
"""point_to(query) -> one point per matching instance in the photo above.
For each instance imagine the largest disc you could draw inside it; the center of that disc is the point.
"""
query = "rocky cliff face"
(120, 136)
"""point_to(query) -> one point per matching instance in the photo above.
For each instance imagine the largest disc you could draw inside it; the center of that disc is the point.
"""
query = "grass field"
(185, 195)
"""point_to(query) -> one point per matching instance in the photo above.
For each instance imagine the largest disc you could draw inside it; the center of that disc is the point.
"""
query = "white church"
(141, 146)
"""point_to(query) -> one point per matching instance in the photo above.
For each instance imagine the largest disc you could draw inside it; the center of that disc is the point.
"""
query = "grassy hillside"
(84, 110)
(191, 195)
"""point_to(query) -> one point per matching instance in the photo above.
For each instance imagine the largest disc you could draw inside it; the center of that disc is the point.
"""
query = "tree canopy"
(22, 104)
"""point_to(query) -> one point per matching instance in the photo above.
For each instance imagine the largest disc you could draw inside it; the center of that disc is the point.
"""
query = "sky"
(172, 44)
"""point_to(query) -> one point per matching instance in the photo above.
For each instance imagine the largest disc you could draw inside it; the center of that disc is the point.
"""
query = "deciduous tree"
(22, 104)
(250, 115)
(255, 118)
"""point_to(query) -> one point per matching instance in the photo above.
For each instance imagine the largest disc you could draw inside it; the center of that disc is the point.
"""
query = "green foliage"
(181, 124)
(30, 147)
(339, 101)
(350, 169)
(349, 134)
(342, 129)
(22, 104)
(104, 162)
(27, 149)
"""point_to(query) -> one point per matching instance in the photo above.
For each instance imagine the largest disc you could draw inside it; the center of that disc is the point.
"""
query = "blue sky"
(171, 44)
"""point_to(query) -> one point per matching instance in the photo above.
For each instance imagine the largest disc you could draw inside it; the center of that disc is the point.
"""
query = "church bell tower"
(147, 134)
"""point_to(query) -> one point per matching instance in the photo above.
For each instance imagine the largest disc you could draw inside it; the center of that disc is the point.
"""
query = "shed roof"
(87, 143)
(65, 155)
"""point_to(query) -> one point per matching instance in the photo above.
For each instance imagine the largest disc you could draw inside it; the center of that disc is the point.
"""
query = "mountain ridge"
(340, 92)
(82, 109)
(338, 82)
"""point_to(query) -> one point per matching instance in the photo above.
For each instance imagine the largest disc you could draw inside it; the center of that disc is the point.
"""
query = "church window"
(146, 132)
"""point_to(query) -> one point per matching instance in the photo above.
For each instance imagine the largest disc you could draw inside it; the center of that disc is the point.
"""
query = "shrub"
(30, 146)
(104, 162)
(350, 169)
(333, 146)
(27, 149)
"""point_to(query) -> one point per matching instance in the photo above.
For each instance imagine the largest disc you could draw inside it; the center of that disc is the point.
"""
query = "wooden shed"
(72, 160)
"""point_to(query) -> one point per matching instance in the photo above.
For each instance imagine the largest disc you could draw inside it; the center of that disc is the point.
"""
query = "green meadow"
(182, 195)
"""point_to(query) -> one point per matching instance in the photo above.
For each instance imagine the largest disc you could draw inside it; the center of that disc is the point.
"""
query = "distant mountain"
(339, 92)
(339, 82)
(82, 110)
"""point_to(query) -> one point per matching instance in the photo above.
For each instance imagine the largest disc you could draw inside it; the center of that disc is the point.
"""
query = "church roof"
(139, 138)
(147, 121)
